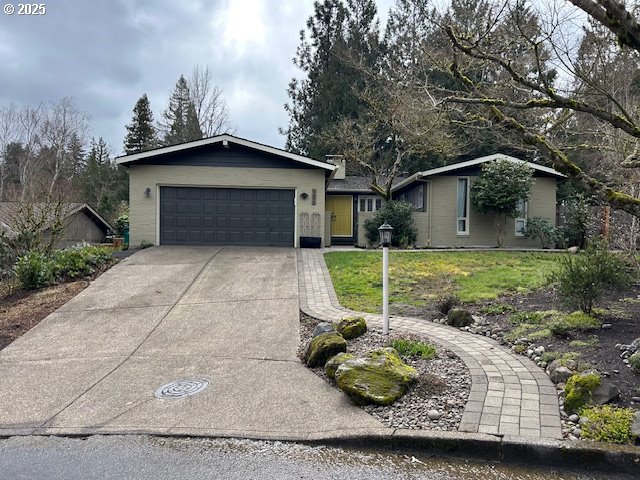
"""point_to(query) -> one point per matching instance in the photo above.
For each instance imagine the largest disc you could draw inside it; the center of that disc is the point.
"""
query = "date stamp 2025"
(25, 8)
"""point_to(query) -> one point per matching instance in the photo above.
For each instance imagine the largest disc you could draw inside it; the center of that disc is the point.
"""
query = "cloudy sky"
(107, 53)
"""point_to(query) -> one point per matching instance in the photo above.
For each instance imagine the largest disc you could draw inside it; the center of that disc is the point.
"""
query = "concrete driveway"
(227, 315)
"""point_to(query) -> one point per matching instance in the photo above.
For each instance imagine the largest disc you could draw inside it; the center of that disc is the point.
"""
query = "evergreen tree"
(141, 134)
(337, 37)
(101, 183)
(180, 120)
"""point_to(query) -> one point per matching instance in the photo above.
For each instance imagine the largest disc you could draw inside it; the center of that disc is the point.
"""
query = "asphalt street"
(154, 458)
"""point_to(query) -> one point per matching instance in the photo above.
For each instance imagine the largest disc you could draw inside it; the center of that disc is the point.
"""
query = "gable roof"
(474, 162)
(9, 209)
(224, 139)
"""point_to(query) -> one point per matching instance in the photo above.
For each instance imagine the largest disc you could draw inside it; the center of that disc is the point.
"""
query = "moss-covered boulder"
(458, 317)
(351, 327)
(579, 390)
(323, 347)
(380, 377)
(334, 362)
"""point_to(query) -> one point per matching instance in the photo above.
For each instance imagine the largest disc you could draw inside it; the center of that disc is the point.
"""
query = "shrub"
(579, 390)
(520, 348)
(80, 261)
(582, 278)
(122, 223)
(400, 216)
(541, 229)
(445, 303)
(574, 322)
(412, 348)
(634, 361)
(608, 424)
(34, 270)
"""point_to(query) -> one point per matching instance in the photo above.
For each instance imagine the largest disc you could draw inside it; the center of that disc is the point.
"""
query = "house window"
(462, 206)
(415, 196)
(369, 203)
(521, 219)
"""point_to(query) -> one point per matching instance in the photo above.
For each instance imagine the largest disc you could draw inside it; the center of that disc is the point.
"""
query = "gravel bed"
(443, 384)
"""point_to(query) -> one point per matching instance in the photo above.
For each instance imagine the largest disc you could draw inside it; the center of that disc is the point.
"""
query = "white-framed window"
(462, 206)
(521, 218)
(369, 203)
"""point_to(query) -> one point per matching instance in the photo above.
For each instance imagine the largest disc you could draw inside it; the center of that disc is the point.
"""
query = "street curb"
(579, 455)
(583, 456)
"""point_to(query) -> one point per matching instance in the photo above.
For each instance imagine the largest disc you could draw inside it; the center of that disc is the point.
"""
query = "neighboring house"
(443, 213)
(81, 223)
(226, 190)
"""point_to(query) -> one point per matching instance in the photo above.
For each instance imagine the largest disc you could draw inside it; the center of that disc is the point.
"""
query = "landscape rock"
(635, 425)
(574, 418)
(334, 362)
(434, 415)
(573, 249)
(380, 377)
(558, 373)
(323, 327)
(323, 347)
(605, 393)
(458, 317)
(351, 327)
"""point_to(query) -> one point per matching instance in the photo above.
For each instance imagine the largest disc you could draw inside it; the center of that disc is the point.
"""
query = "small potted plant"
(122, 231)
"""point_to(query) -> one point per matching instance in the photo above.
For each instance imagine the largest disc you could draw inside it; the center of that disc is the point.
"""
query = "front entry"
(341, 208)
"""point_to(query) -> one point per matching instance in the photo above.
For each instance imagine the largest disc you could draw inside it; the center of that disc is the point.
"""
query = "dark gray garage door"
(226, 216)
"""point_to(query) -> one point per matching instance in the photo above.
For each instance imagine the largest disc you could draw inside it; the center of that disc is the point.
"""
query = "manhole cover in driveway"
(182, 388)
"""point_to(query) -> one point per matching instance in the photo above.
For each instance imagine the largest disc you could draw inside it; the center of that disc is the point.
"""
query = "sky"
(107, 53)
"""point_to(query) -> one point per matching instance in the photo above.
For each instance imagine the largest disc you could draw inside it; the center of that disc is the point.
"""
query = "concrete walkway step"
(510, 395)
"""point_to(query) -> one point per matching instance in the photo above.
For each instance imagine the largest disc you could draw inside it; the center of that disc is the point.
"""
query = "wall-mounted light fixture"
(147, 192)
(304, 195)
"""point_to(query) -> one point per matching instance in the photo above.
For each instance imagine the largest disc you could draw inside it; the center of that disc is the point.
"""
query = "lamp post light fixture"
(385, 240)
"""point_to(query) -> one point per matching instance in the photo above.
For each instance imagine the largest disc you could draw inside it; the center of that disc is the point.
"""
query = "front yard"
(512, 301)
(418, 280)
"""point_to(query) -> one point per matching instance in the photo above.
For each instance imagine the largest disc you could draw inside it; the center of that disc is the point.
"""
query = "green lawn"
(418, 278)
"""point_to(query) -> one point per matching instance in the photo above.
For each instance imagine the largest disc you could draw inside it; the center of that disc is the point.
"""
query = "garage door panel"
(226, 216)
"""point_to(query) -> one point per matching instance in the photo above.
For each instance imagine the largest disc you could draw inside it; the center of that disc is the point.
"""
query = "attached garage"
(226, 216)
(225, 190)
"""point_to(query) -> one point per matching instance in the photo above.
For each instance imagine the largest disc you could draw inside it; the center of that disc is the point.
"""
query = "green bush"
(400, 216)
(412, 348)
(539, 228)
(634, 361)
(608, 424)
(34, 270)
(37, 270)
(579, 390)
(574, 322)
(582, 278)
(445, 303)
(122, 223)
(80, 261)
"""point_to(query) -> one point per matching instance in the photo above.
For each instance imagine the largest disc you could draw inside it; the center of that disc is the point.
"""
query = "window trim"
(465, 218)
(366, 198)
(523, 219)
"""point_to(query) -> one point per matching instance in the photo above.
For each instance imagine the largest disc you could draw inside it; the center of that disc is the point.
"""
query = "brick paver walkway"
(510, 395)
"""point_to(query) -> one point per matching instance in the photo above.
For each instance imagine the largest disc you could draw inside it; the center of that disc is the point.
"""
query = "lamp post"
(385, 239)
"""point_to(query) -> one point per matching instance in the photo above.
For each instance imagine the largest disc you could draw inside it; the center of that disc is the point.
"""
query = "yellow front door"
(341, 208)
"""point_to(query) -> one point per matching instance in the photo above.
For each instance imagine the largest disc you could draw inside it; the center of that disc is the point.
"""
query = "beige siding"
(143, 215)
(363, 241)
(482, 229)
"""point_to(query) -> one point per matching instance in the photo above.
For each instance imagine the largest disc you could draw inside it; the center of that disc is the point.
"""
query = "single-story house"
(226, 190)
(443, 213)
(81, 222)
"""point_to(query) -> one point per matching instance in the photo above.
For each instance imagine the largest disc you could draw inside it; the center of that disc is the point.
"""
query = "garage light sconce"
(304, 195)
(147, 192)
